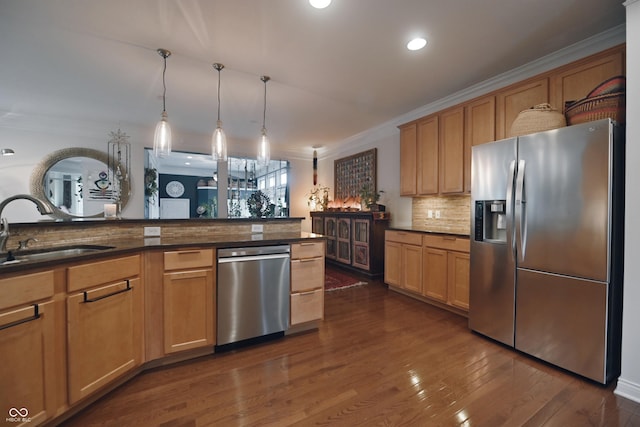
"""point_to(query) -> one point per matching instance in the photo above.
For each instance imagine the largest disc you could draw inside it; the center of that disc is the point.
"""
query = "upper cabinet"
(427, 155)
(576, 81)
(451, 155)
(479, 128)
(408, 144)
(517, 98)
(435, 151)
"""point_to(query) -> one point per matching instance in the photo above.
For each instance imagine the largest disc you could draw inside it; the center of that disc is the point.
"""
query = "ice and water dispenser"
(491, 221)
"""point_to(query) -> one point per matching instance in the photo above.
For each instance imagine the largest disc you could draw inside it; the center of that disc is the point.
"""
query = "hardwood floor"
(378, 359)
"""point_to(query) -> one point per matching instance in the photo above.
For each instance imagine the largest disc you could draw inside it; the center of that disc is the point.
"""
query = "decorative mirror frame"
(39, 173)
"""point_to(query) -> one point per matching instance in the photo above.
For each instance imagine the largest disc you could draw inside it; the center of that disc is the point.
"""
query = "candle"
(109, 210)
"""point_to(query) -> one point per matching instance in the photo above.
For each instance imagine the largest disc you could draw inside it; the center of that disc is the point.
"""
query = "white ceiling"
(334, 72)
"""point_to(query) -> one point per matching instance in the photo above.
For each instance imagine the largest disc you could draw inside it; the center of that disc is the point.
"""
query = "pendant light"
(264, 154)
(162, 137)
(219, 139)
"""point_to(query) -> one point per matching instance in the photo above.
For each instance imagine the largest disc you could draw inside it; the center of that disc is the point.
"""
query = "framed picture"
(354, 172)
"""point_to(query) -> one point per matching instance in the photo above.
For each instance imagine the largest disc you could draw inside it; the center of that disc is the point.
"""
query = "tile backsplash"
(454, 214)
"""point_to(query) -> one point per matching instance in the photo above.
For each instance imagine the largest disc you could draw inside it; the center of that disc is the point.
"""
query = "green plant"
(150, 183)
(318, 197)
(368, 197)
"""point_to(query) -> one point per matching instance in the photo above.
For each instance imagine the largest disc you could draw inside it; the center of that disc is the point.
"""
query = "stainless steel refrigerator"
(546, 245)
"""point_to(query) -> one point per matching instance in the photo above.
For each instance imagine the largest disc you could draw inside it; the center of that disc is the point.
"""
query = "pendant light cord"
(265, 79)
(219, 94)
(164, 85)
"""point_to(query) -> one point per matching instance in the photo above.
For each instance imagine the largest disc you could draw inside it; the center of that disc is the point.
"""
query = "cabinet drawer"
(25, 289)
(307, 274)
(307, 250)
(101, 272)
(451, 243)
(307, 306)
(403, 237)
(176, 260)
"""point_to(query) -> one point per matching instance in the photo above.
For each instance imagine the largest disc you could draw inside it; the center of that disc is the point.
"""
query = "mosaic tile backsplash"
(454, 214)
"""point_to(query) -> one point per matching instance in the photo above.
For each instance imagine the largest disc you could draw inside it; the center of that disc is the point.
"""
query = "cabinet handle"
(448, 238)
(307, 293)
(36, 315)
(307, 244)
(188, 252)
(128, 288)
(308, 259)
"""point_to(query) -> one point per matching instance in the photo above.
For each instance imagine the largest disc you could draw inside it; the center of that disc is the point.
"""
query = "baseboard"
(628, 390)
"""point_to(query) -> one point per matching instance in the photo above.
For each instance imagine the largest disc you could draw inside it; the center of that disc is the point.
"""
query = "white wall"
(629, 381)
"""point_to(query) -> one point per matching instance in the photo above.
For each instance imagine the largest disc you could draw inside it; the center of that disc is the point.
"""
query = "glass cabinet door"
(344, 240)
(361, 231)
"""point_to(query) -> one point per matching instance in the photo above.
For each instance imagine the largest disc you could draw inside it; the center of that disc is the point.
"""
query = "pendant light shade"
(219, 139)
(162, 137)
(264, 151)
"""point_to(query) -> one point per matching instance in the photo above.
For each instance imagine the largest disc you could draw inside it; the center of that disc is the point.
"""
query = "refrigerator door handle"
(520, 210)
(509, 212)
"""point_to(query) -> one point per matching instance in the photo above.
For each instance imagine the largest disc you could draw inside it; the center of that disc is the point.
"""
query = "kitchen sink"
(53, 253)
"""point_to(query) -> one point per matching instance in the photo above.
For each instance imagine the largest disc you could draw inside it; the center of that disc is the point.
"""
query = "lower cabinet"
(432, 266)
(189, 299)
(403, 260)
(307, 282)
(446, 270)
(104, 323)
(27, 349)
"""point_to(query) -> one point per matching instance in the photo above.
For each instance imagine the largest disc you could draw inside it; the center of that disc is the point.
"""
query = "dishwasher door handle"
(252, 258)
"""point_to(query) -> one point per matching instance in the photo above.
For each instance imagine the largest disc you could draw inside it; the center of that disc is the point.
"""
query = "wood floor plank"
(378, 359)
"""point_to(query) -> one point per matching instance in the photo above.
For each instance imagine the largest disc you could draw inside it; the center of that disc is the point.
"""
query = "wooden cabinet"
(479, 128)
(188, 299)
(451, 154)
(438, 148)
(104, 323)
(355, 240)
(408, 147)
(330, 231)
(510, 101)
(427, 155)
(307, 282)
(343, 240)
(403, 260)
(574, 82)
(27, 329)
(446, 270)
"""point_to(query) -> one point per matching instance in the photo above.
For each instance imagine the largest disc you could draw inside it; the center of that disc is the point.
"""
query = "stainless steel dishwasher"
(253, 292)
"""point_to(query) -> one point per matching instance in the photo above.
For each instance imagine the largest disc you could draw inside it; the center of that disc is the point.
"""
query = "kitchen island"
(111, 303)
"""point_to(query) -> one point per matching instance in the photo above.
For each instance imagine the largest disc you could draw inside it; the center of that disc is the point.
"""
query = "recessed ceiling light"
(416, 44)
(319, 4)
(187, 163)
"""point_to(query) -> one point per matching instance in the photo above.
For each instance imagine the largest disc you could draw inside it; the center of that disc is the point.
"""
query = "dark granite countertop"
(123, 247)
(427, 231)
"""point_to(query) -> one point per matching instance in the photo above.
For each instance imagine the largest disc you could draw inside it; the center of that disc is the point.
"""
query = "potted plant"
(369, 198)
(318, 198)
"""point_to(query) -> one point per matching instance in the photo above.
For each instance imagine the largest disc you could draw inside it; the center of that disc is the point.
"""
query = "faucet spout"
(42, 207)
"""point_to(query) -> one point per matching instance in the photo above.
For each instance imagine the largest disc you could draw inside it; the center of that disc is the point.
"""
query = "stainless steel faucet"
(4, 234)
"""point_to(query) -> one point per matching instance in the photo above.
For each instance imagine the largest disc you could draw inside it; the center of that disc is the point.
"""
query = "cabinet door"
(435, 273)
(479, 128)
(412, 268)
(330, 232)
(451, 176)
(104, 335)
(188, 310)
(408, 160)
(392, 263)
(458, 278)
(427, 155)
(317, 225)
(515, 99)
(344, 240)
(575, 82)
(307, 306)
(27, 371)
(361, 248)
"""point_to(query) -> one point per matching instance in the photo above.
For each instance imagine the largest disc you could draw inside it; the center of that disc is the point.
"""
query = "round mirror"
(76, 183)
